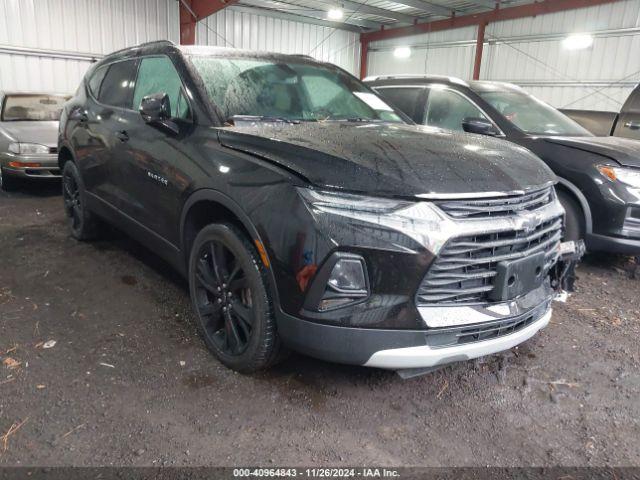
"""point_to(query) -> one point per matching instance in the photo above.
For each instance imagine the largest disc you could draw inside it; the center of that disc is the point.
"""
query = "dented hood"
(391, 159)
(622, 150)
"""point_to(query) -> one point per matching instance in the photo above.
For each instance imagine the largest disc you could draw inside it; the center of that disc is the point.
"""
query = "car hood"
(391, 159)
(622, 150)
(43, 133)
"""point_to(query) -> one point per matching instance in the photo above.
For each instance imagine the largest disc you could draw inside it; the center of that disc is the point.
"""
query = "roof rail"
(146, 44)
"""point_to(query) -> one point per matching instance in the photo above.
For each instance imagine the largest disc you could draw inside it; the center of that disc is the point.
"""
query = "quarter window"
(96, 79)
(158, 75)
(447, 109)
(117, 87)
(406, 99)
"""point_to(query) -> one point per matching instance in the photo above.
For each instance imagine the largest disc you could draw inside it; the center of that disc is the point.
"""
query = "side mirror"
(156, 110)
(480, 126)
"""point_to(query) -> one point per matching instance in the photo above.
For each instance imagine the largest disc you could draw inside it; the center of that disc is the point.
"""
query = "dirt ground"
(128, 381)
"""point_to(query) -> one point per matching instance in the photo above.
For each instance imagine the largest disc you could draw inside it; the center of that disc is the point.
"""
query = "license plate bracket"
(517, 277)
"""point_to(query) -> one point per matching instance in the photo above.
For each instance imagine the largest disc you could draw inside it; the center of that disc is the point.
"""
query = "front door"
(155, 159)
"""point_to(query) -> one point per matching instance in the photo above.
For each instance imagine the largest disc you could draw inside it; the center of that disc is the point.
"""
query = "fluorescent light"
(402, 52)
(578, 41)
(335, 14)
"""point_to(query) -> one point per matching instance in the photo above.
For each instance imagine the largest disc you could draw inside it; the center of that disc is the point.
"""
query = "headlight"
(628, 176)
(347, 201)
(28, 148)
(421, 221)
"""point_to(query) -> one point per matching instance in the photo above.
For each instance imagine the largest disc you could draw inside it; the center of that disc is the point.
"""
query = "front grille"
(447, 337)
(497, 207)
(465, 269)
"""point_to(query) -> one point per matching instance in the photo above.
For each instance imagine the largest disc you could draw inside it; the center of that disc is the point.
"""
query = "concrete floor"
(128, 381)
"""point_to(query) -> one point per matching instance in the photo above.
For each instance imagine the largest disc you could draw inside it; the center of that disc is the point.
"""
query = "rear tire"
(574, 219)
(83, 223)
(7, 182)
(228, 286)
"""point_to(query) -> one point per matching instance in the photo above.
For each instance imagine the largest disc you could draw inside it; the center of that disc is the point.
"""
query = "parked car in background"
(625, 123)
(29, 136)
(306, 213)
(599, 177)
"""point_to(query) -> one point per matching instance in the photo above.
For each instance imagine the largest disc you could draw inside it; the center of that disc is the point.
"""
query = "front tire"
(7, 182)
(228, 286)
(83, 224)
(574, 220)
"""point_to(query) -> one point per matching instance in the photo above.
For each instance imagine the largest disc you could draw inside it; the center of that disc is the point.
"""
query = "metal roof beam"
(380, 12)
(506, 13)
(267, 12)
(318, 14)
(485, 3)
(426, 7)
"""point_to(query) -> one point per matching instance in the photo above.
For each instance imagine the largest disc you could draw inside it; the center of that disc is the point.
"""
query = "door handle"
(123, 136)
(633, 125)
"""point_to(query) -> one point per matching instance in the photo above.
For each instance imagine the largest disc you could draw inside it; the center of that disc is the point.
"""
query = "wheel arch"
(208, 206)
(64, 155)
(574, 192)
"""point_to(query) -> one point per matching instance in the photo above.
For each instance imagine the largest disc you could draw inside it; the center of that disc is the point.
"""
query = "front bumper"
(616, 220)
(23, 166)
(404, 349)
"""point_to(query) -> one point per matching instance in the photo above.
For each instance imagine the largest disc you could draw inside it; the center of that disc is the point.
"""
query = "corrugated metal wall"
(49, 31)
(239, 29)
(529, 52)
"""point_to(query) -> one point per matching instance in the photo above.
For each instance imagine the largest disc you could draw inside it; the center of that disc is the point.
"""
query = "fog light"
(341, 281)
(348, 276)
(346, 284)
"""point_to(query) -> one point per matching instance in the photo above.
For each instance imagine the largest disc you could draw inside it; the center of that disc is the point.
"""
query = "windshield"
(531, 115)
(288, 90)
(20, 108)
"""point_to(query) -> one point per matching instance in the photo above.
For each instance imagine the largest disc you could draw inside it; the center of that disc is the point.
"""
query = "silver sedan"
(29, 136)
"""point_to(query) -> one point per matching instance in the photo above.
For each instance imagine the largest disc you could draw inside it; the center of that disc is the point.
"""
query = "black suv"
(307, 213)
(598, 177)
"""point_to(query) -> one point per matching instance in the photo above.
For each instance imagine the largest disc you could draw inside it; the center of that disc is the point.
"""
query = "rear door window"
(159, 75)
(117, 87)
(406, 99)
(96, 79)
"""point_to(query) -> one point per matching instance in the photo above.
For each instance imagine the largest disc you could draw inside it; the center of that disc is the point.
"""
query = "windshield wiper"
(261, 118)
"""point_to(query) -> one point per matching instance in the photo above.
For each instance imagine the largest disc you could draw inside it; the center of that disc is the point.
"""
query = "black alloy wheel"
(224, 298)
(228, 284)
(71, 197)
(82, 222)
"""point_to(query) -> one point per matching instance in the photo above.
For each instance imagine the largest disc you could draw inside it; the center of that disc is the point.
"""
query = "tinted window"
(96, 79)
(158, 75)
(530, 114)
(447, 109)
(406, 99)
(117, 86)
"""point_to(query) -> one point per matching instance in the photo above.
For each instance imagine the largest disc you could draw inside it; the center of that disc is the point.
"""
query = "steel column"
(479, 48)
(191, 11)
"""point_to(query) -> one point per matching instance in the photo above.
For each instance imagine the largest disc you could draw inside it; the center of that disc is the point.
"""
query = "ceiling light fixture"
(578, 41)
(335, 14)
(402, 52)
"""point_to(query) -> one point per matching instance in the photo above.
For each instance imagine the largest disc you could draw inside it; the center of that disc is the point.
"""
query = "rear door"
(111, 88)
(154, 159)
(628, 125)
